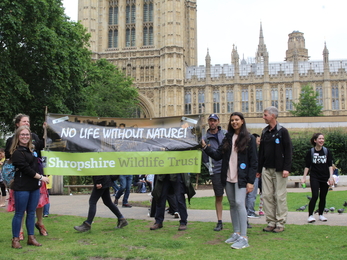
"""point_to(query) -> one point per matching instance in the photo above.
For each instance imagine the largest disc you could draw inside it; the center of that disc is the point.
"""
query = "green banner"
(121, 163)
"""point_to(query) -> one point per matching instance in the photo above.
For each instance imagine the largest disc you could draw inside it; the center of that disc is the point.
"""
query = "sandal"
(21, 236)
(42, 229)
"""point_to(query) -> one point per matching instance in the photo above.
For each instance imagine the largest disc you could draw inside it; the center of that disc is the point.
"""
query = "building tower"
(151, 41)
(296, 45)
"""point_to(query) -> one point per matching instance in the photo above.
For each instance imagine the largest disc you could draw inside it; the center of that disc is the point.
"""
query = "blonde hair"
(15, 140)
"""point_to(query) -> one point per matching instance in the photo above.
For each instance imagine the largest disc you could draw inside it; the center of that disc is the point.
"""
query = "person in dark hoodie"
(101, 189)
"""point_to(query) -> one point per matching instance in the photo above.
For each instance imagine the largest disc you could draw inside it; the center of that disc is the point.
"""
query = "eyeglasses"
(24, 134)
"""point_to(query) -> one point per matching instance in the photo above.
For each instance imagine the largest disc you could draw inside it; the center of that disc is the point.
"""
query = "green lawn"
(136, 241)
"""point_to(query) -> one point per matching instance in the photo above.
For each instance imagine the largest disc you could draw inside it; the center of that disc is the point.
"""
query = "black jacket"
(246, 161)
(283, 149)
(27, 167)
(105, 180)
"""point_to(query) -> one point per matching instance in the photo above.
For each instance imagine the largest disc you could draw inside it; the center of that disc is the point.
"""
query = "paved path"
(77, 205)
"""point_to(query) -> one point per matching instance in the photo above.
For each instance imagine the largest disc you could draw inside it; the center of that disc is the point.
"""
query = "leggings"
(238, 212)
(104, 194)
(316, 187)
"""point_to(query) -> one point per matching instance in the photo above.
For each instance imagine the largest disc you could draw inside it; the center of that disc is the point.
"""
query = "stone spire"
(325, 54)
(262, 53)
(208, 59)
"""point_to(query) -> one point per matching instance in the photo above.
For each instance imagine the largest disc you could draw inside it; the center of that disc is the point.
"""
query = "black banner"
(70, 133)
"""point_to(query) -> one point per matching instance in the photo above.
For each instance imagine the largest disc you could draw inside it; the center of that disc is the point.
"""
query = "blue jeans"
(46, 209)
(115, 187)
(125, 182)
(251, 197)
(25, 201)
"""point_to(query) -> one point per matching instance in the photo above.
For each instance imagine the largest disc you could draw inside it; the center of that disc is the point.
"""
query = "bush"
(335, 141)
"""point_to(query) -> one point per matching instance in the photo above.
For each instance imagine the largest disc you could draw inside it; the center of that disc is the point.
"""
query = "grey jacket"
(210, 140)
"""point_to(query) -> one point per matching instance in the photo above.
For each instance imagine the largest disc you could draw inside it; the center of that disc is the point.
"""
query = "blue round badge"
(243, 166)
(277, 141)
(35, 154)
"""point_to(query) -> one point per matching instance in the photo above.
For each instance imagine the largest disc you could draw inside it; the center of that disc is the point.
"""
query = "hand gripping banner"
(77, 145)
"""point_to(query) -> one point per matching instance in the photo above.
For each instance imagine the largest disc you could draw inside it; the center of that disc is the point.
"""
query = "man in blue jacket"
(213, 138)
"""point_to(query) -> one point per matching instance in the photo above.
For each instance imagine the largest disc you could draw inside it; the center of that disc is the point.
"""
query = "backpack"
(325, 150)
(7, 173)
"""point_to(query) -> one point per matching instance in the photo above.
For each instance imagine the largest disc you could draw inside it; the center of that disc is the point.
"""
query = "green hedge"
(335, 140)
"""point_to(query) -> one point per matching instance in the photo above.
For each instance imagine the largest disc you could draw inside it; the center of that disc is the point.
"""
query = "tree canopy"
(45, 61)
(307, 105)
(109, 92)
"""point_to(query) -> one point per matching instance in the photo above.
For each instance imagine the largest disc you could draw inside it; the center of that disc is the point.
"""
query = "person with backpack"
(274, 165)
(319, 163)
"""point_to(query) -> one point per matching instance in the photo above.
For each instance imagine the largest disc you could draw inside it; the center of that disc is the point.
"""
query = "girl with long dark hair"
(239, 166)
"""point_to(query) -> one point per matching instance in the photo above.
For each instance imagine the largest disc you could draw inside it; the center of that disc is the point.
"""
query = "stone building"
(155, 42)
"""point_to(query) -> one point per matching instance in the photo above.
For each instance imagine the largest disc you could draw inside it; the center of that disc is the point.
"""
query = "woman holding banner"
(26, 185)
(239, 166)
(38, 145)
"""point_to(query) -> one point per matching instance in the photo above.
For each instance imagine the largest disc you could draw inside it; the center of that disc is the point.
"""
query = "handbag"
(7, 172)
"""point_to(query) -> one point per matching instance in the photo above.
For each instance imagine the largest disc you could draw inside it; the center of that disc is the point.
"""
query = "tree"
(307, 105)
(109, 93)
(44, 58)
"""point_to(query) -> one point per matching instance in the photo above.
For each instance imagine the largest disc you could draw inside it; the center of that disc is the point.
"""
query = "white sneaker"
(322, 218)
(311, 219)
(233, 238)
(240, 243)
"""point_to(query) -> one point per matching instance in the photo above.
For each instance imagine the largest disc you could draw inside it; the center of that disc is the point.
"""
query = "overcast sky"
(222, 23)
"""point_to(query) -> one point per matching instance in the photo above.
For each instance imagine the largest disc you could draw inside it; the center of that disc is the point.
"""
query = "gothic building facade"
(155, 42)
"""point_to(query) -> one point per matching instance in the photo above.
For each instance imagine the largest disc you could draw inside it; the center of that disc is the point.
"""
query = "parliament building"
(155, 43)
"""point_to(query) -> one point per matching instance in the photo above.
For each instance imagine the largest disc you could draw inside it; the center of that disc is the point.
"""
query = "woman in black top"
(38, 145)
(26, 184)
(319, 163)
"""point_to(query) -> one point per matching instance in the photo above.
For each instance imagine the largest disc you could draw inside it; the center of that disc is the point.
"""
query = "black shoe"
(127, 205)
(219, 227)
(115, 201)
(122, 222)
(83, 228)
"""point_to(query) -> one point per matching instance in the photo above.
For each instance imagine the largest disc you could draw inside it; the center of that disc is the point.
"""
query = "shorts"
(218, 187)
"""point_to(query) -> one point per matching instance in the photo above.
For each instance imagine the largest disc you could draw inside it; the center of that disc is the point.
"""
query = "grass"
(136, 241)
(294, 201)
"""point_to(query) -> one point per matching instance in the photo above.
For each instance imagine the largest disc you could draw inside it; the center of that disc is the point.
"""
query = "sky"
(237, 22)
